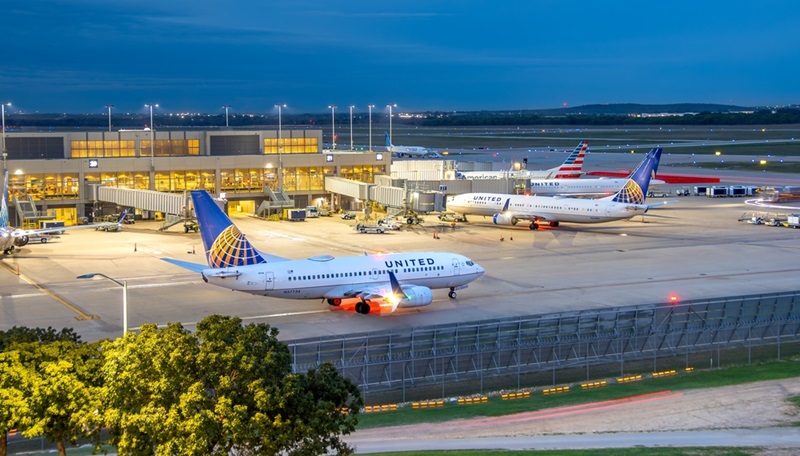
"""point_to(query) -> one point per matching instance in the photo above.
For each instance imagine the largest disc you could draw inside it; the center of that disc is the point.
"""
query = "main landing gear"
(452, 294)
(363, 307)
(535, 225)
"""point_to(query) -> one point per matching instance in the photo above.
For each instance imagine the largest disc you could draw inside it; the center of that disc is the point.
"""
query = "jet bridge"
(174, 206)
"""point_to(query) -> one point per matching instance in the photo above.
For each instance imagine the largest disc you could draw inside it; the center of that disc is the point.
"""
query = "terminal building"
(55, 171)
(71, 176)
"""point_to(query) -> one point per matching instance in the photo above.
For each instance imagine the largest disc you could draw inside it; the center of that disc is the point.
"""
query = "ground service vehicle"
(312, 212)
(793, 221)
(369, 229)
(349, 216)
(296, 215)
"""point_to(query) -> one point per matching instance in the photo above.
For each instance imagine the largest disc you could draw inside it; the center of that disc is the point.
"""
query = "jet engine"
(504, 218)
(20, 241)
(416, 296)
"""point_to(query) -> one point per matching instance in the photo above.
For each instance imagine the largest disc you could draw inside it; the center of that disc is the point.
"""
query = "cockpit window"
(470, 263)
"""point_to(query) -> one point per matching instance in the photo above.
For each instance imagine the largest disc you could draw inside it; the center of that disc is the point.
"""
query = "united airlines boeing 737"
(373, 282)
(572, 168)
(629, 201)
(410, 151)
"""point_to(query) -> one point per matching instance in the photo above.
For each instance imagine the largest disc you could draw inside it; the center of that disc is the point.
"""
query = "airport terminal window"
(85, 149)
(170, 147)
(300, 145)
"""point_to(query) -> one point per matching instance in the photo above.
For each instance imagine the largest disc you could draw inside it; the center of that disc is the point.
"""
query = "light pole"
(152, 146)
(280, 147)
(124, 285)
(351, 126)
(333, 127)
(226, 114)
(109, 106)
(370, 126)
(390, 121)
(5, 153)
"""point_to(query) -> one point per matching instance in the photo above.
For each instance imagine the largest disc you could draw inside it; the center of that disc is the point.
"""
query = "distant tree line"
(225, 389)
(590, 116)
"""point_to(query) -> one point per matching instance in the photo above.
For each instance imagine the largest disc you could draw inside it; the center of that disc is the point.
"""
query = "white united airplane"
(11, 238)
(409, 151)
(628, 202)
(572, 168)
(372, 282)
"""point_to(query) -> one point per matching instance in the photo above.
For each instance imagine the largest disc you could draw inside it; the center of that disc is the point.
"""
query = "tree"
(228, 388)
(62, 391)
(13, 404)
(18, 377)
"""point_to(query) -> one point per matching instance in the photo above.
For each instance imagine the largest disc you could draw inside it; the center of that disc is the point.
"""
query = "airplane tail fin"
(225, 245)
(572, 168)
(388, 141)
(4, 208)
(635, 189)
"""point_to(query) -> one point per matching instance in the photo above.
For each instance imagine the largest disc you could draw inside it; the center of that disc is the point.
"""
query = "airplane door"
(269, 280)
(456, 268)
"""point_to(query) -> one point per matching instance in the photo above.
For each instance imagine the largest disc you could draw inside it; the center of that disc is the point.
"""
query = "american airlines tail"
(572, 168)
(635, 189)
(225, 245)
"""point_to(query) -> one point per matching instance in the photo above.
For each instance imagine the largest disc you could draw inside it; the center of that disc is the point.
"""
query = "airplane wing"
(195, 267)
(59, 229)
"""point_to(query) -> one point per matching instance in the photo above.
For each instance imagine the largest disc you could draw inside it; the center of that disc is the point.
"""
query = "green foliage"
(227, 388)
(21, 334)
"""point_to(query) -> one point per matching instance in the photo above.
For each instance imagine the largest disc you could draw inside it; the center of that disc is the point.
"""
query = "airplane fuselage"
(552, 209)
(326, 276)
(550, 187)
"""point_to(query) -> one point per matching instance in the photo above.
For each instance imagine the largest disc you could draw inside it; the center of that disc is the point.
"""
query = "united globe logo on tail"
(232, 249)
(635, 189)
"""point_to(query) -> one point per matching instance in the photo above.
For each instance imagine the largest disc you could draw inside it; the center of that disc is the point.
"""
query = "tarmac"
(694, 248)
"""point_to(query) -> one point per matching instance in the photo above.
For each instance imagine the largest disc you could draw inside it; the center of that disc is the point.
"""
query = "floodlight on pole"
(5, 153)
(227, 107)
(109, 106)
(351, 126)
(124, 285)
(390, 106)
(280, 147)
(333, 126)
(370, 126)
(152, 144)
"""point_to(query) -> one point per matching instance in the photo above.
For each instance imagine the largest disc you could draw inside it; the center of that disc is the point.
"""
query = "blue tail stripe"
(388, 141)
(225, 245)
(635, 189)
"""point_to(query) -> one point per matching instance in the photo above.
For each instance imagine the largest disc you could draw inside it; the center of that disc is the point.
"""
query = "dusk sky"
(196, 55)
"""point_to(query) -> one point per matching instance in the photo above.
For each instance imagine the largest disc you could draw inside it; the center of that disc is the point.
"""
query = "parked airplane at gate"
(572, 168)
(374, 282)
(408, 151)
(629, 201)
(11, 238)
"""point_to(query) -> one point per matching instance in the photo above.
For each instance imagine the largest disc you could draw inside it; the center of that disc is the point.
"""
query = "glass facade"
(85, 149)
(44, 186)
(291, 146)
(170, 147)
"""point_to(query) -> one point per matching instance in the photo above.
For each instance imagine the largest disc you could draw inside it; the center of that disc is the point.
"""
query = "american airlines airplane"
(627, 202)
(11, 238)
(572, 168)
(408, 151)
(373, 282)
